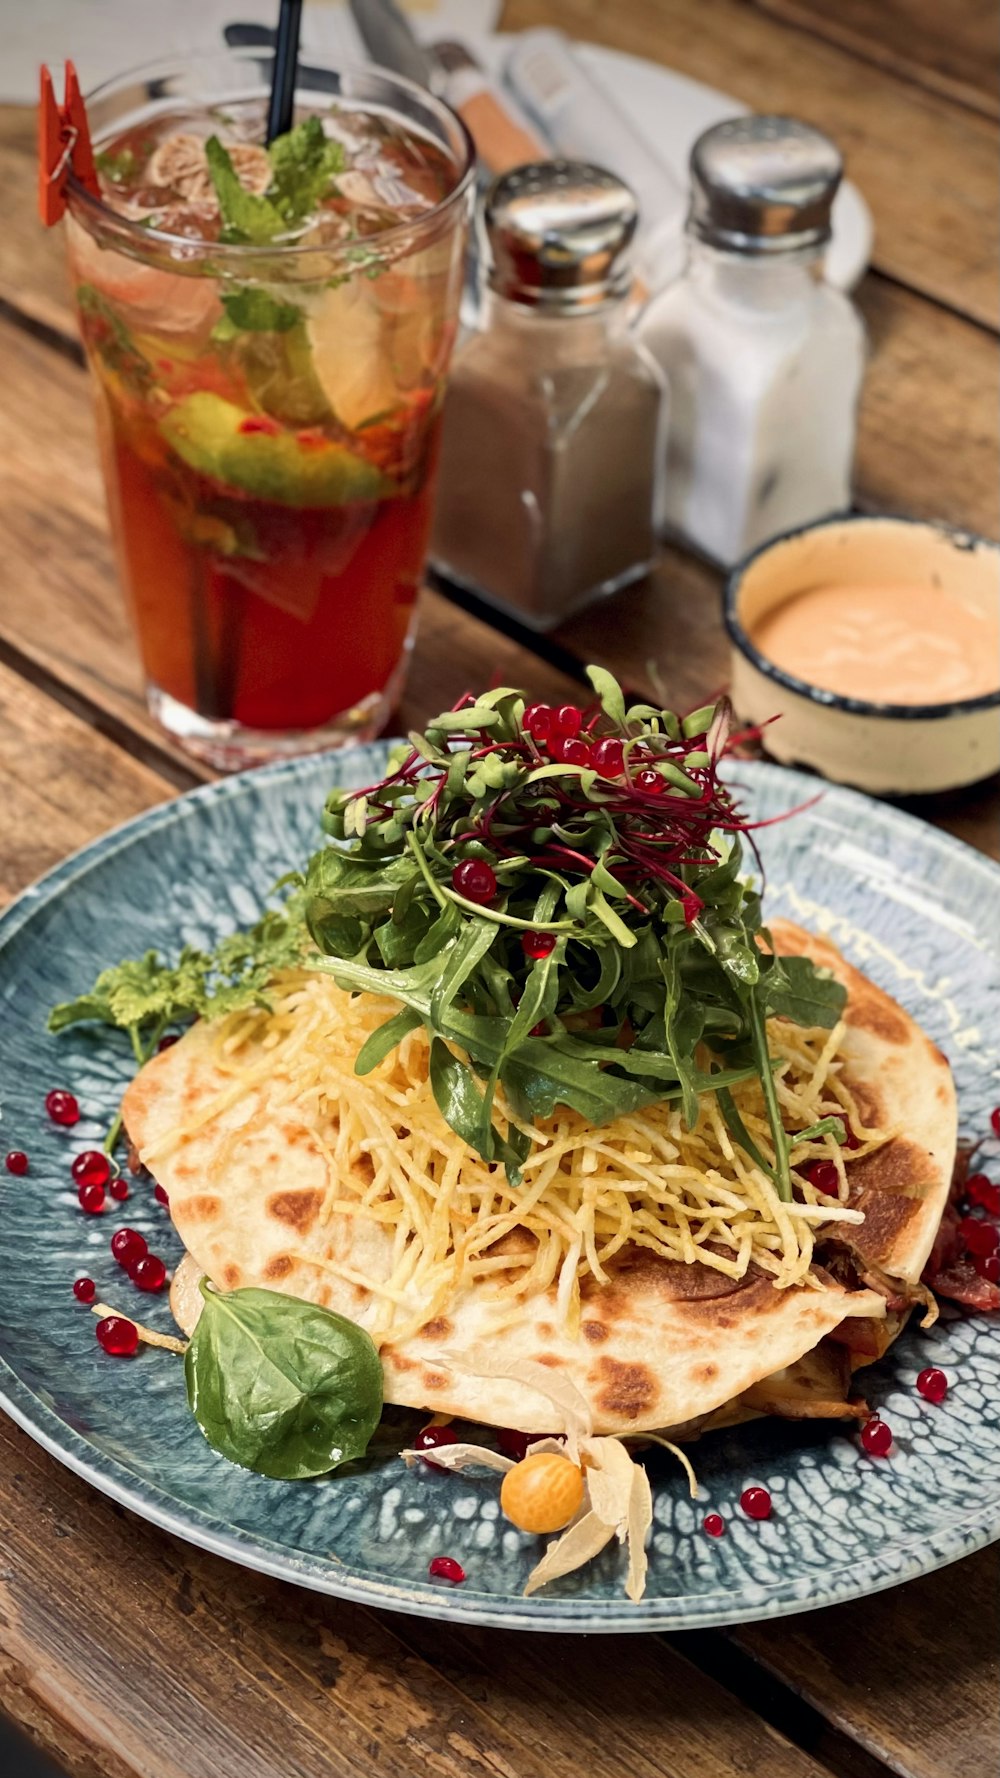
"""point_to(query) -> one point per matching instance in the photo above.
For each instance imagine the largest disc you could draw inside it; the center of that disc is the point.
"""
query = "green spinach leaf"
(281, 1386)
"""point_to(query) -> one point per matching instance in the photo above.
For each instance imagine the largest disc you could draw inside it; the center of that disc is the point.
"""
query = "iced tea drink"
(269, 331)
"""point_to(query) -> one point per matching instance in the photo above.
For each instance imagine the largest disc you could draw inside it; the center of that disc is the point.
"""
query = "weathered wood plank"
(952, 50)
(128, 1653)
(60, 783)
(927, 167)
(913, 1675)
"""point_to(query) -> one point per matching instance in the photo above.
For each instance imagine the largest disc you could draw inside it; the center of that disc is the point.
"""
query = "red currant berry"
(119, 1189)
(995, 1120)
(91, 1168)
(824, 1177)
(714, 1524)
(979, 1237)
(446, 1568)
(430, 1437)
(850, 1140)
(876, 1437)
(537, 945)
(474, 880)
(128, 1245)
(983, 1192)
(608, 757)
(569, 752)
(84, 1289)
(118, 1336)
(62, 1106)
(567, 721)
(932, 1384)
(988, 1266)
(149, 1272)
(515, 1444)
(91, 1199)
(537, 721)
(756, 1503)
(167, 1043)
(649, 780)
(17, 1162)
(161, 1196)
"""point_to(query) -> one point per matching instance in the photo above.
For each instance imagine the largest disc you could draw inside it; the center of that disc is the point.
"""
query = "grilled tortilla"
(661, 1344)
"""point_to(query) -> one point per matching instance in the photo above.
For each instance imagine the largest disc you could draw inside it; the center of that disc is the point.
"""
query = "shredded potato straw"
(585, 1193)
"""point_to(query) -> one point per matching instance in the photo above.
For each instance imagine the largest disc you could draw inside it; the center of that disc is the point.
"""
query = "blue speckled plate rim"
(920, 1555)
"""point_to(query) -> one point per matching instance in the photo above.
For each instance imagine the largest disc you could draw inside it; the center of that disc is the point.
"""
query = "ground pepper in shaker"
(764, 360)
(553, 447)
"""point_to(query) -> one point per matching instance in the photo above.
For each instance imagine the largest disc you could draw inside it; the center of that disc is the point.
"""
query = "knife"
(388, 37)
(501, 140)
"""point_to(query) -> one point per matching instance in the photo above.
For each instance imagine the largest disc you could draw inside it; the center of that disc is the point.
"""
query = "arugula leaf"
(381, 1042)
(281, 1386)
(247, 218)
(795, 989)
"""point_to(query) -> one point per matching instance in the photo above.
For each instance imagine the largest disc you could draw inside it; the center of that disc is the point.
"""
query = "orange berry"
(542, 1493)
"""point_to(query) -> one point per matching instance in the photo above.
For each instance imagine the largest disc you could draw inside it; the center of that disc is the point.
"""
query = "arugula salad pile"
(615, 964)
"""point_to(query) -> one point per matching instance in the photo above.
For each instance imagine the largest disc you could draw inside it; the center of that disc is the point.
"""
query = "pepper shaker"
(553, 437)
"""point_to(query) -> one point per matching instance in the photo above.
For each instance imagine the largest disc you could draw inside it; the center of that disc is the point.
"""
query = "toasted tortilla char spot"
(594, 1330)
(640, 1269)
(877, 1014)
(231, 1276)
(886, 1215)
(438, 1329)
(434, 1380)
(201, 1208)
(298, 1208)
(279, 1266)
(551, 1359)
(396, 1361)
(899, 1167)
(625, 1391)
(705, 1373)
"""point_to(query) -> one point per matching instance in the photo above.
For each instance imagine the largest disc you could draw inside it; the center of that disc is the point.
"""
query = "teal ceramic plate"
(914, 909)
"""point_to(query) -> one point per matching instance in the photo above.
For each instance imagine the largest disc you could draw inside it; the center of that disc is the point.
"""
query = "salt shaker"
(764, 359)
(552, 448)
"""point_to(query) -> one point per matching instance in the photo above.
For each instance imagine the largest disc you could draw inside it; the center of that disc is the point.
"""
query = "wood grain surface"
(126, 1653)
(952, 49)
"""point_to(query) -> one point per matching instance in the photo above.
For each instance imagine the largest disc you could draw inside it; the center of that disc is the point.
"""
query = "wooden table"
(124, 1652)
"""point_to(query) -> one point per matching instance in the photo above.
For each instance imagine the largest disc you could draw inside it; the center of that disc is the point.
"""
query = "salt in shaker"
(764, 359)
(552, 447)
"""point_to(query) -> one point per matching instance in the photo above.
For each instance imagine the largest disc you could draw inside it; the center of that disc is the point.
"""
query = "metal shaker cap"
(763, 185)
(558, 233)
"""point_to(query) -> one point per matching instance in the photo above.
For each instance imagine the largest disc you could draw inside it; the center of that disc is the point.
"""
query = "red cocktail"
(269, 331)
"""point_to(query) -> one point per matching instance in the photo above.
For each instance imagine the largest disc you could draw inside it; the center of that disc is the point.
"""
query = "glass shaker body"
(551, 460)
(764, 362)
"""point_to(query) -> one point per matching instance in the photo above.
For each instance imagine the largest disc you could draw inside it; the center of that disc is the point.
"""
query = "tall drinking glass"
(269, 378)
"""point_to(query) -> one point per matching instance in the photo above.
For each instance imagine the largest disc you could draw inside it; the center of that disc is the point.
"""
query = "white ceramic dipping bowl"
(891, 749)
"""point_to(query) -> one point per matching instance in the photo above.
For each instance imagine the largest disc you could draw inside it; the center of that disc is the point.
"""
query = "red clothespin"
(63, 142)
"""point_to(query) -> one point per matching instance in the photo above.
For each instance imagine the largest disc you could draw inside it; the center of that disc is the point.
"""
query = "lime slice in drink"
(349, 355)
(220, 440)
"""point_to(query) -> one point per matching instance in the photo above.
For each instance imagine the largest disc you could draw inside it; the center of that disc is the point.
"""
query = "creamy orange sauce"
(889, 643)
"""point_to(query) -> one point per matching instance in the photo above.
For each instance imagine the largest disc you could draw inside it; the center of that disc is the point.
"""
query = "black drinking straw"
(286, 56)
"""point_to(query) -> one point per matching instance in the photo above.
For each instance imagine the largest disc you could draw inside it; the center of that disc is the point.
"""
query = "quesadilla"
(285, 1171)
